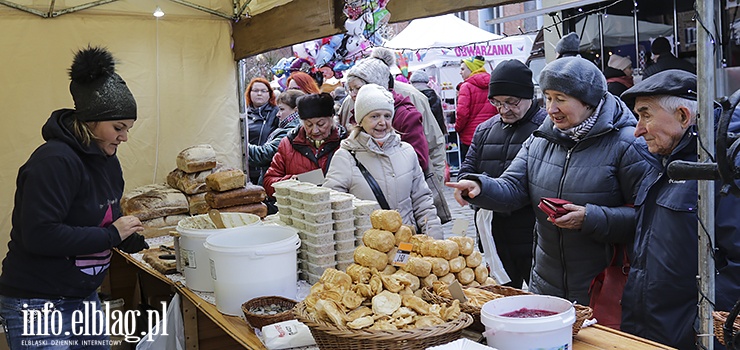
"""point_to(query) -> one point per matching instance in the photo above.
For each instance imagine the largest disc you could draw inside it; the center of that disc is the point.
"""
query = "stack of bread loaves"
(227, 192)
(158, 206)
(194, 164)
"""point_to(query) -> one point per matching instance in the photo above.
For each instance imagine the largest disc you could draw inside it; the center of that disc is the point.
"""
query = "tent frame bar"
(51, 13)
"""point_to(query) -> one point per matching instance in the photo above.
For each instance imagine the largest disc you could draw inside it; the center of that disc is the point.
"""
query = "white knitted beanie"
(372, 97)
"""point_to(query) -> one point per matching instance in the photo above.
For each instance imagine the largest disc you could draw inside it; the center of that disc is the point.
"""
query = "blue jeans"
(54, 324)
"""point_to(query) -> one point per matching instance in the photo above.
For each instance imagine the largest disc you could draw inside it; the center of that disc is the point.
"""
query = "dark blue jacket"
(661, 295)
(67, 195)
(602, 172)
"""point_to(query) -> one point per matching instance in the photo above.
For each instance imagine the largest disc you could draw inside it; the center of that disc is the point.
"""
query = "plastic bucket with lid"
(260, 261)
(546, 332)
(192, 257)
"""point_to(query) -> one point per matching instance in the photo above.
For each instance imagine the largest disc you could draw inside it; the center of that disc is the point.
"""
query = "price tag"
(457, 292)
(459, 227)
(403, 253)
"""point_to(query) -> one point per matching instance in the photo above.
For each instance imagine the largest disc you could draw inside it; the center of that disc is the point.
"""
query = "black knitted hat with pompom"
(98, 92)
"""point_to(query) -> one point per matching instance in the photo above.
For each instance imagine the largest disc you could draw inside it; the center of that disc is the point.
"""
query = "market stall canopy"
(618, 30)
(433, 40)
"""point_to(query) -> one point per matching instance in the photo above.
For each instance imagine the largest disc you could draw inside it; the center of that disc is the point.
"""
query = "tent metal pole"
(24, 8)
(601, 40)
(639, 64)
(705, 83)
(81, 7)
(675, 30)
(204, 9)
(243, 121)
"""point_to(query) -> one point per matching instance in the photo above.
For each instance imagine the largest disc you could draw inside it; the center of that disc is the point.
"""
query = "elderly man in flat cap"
(661, 296)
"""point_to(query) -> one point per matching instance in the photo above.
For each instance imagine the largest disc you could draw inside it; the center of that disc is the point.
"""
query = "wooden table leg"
(190, 321)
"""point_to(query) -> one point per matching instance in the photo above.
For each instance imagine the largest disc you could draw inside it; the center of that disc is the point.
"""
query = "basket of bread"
(477, 296)
(376, 305)
(720, 321)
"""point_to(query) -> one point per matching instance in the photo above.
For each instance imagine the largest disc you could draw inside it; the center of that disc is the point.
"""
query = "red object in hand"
(553, 207)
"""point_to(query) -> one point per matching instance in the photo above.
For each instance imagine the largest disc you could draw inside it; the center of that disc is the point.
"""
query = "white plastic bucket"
(548, 332)
(260, 261)
(192, 256)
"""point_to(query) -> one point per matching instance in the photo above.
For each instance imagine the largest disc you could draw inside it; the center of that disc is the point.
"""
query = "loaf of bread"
(197, 203)
(154, 201)
(225, 180)
(246, 195)
(188, 183)
(259, 209)
(196, 158)
(165, 221)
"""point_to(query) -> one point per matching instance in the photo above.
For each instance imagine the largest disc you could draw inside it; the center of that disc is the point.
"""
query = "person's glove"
(133, 244)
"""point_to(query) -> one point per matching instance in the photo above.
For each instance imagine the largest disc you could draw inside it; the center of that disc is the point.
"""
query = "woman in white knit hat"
(618, 74)
(392, 171)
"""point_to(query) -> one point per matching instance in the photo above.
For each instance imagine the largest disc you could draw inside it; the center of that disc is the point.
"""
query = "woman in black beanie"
(585, 153)
(67, 214)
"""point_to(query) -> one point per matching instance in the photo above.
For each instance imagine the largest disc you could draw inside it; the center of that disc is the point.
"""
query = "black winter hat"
(315, 106)
(98, 92)
(511, 78)
(660, 46)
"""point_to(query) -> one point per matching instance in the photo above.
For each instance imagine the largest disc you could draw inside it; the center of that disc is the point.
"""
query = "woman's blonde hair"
(83, 132)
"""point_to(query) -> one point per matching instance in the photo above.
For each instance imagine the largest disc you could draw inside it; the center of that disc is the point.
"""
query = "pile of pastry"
(374, 293)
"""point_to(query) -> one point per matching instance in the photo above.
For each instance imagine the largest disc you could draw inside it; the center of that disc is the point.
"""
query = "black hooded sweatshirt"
(67, 196)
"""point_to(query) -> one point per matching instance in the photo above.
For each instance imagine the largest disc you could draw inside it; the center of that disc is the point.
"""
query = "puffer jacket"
(473, 107)
(665, 256)
(261, 122)
(602, 172)
(397, 172)
(261, 156)
(296, 155)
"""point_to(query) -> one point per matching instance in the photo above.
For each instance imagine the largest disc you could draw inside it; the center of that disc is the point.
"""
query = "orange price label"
(403, 254)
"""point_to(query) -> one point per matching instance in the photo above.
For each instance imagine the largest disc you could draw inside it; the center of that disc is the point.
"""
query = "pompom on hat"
(374, 69)
(568, 45)
(576, 77)
(315, 106)
(619, 62)
(372, 97)
(98, 92)
(511, 78)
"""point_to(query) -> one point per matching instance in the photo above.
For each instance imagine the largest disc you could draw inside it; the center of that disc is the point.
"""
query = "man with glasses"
(495, 144)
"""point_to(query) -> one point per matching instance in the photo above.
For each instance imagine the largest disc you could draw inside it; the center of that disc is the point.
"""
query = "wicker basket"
(582, 312)
(259, 321)
(720, 317)
(330, 337)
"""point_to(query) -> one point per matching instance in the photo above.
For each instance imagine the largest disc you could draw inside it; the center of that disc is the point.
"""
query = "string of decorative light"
(521, 32)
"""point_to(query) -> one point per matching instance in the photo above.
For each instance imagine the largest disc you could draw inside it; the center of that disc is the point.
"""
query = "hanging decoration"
(330, 57)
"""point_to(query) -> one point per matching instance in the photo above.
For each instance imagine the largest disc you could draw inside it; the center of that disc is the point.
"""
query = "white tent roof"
(432, 40)
(618, 30)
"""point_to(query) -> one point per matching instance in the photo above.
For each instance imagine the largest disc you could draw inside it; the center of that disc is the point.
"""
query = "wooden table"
(207, 328)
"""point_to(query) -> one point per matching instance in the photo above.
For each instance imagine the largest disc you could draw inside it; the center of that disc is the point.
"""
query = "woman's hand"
(464, 188)
(573, 220)
(127, 225)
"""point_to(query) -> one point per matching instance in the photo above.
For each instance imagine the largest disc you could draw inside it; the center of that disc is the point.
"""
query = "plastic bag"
(173, 338)
(483, 219)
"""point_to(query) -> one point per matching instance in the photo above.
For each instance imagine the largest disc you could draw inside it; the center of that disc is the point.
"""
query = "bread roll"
(429, 280)
(457, 264)
(245, 195)
(196, 158)
(414, 281)
(466, 244)
(474, 259)
(259, 209)
(380, 240)
(466, 275)
(417, 240)
(370, 257)
(403, 234)
(225, 180)
(418, 266)
(197, 204)
(154, 201)
(481, 273)
(448, 278)
(359, 273)
(440, 266)
(389, 220)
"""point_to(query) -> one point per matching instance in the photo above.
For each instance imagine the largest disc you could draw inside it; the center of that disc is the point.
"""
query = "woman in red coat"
(473, 107)
(309, 146)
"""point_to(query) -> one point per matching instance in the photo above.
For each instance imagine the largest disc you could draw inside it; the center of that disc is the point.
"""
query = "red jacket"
(296, 155)
(408, 122)
(473, 107)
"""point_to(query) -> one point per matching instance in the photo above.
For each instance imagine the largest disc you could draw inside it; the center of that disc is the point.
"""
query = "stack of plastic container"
(362, 210)
(312, 215)
(344, 228)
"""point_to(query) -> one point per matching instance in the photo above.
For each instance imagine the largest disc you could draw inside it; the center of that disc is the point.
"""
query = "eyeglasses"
(260, 91)
(509, 103)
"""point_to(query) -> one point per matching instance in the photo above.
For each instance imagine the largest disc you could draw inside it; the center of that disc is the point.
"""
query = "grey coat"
(396, 170)
(602, 172)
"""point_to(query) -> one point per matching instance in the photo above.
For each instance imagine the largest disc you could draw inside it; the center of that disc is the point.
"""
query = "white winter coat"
(396, 170)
